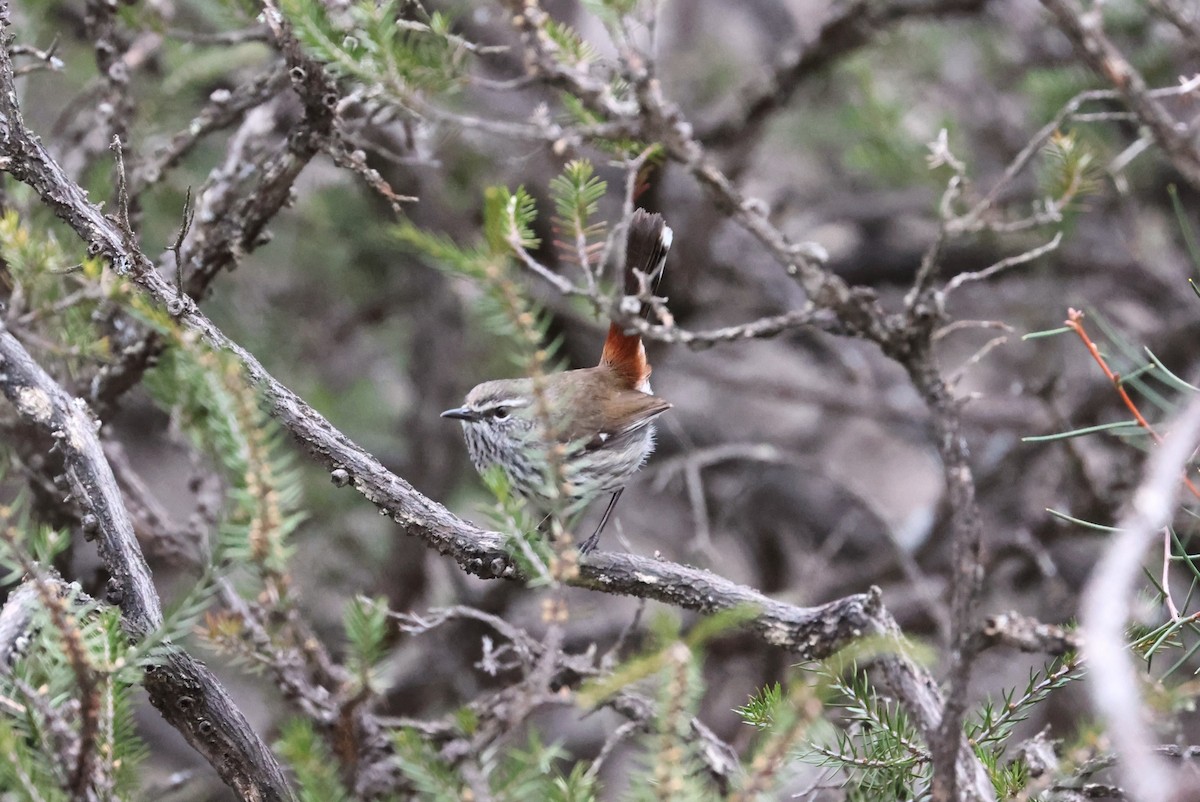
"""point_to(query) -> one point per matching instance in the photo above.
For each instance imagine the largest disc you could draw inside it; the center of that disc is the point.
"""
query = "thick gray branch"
(808, 632)
(812, 632)
(41, 402)
(16, 617)
(186, 693)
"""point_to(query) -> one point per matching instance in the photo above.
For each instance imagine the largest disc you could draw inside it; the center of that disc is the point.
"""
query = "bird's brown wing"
(628, 410)
(603, 408)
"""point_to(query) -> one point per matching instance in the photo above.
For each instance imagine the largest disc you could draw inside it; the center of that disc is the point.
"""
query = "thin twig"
(185, 226)
(1074, 322)
(44, 59)
(1004, 264)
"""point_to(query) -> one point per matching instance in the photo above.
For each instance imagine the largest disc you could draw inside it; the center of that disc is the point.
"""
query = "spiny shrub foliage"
(66, 728)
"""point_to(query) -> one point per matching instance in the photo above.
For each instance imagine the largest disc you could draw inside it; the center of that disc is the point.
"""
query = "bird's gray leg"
(591, 542)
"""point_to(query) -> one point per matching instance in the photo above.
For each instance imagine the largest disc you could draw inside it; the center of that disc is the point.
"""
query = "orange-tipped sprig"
(1074, 322)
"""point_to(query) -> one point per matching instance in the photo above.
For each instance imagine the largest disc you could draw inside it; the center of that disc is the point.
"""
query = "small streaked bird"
(603, 417)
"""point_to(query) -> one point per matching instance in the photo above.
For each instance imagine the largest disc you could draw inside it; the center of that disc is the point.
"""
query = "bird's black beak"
(461, 413)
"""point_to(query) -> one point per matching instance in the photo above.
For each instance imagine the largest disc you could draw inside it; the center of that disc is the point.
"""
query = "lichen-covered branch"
(186, 693)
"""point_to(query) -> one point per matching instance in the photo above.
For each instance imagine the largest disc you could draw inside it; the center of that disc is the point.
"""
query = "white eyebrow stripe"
(506, 402)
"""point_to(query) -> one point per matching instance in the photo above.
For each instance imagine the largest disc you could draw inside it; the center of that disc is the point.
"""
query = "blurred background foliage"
(800, 465)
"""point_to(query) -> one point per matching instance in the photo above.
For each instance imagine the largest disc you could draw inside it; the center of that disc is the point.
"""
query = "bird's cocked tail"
(646, 253)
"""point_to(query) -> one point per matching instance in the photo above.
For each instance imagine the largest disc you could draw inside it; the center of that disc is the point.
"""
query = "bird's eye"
(500, 413)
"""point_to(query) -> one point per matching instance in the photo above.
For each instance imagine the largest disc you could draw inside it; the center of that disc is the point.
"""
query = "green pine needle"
(315, 767)
(761, 709)
(1102, 427)
(577, 193)
(366, 623)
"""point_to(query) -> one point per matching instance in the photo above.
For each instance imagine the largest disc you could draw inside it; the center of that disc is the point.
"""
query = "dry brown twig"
(42, 59)
(1028, 634)
(559, 672)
